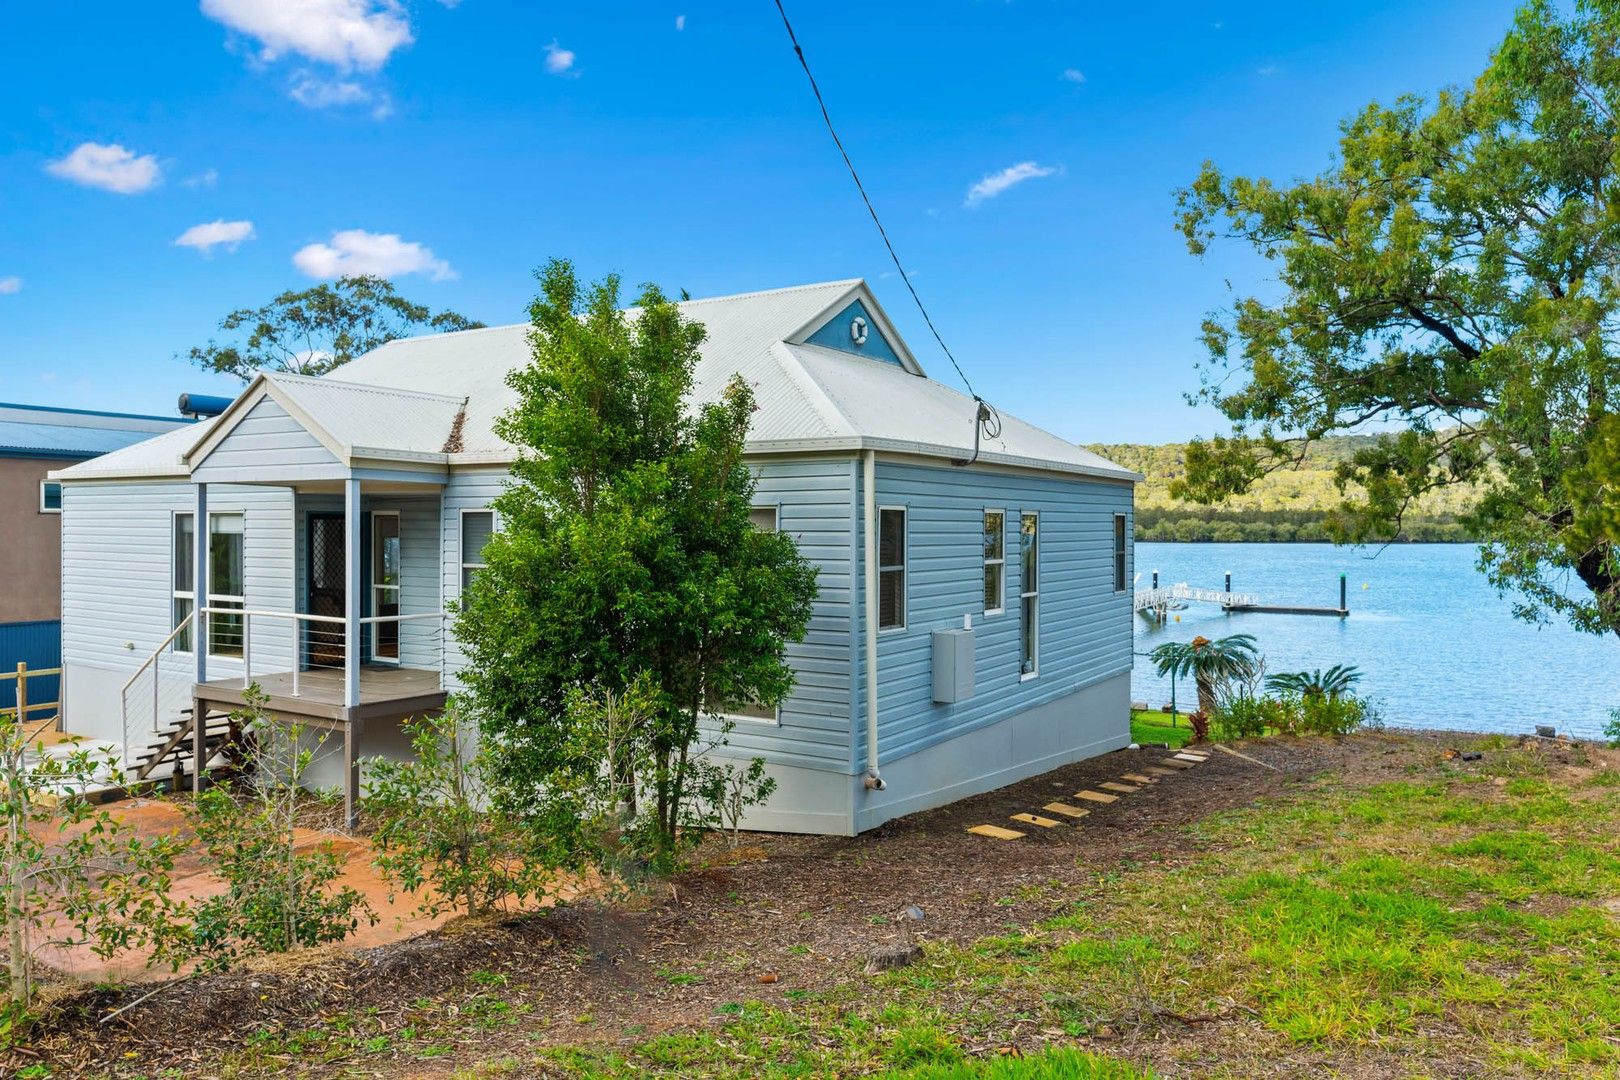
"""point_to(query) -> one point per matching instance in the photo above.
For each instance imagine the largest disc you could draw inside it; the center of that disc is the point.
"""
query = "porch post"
(351, 650)
(199, 636)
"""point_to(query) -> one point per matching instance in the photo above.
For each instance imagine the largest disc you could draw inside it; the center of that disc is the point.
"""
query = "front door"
(324, 641)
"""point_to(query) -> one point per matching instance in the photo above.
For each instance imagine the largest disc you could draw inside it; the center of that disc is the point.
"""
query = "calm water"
(1437, 647)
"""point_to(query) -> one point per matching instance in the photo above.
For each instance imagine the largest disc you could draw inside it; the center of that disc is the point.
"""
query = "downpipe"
(874, 779)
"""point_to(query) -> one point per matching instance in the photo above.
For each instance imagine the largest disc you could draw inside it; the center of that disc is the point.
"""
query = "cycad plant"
(1212, 664)
(1333, 683)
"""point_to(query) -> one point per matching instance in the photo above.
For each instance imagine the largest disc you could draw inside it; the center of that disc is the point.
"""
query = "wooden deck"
(386, 693)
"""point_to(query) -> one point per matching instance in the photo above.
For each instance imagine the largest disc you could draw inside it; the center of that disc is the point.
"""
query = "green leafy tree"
(312, 331)
(1456, 274)
(626, 552)
(437, 836)
(1213, 665)
(73, 873)
(278, 897)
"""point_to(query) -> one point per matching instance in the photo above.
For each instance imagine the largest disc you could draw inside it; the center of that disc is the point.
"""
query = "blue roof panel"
(63, 440)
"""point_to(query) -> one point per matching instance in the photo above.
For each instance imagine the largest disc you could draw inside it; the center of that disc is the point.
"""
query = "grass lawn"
(1410, 916)
(1155, 727)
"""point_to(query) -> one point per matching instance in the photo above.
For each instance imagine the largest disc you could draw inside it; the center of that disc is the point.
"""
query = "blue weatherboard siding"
(1085, 627)
(834, 334)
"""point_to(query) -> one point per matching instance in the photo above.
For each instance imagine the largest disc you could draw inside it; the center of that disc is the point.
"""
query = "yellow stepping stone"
(1192, 759)
(1065, 809)
(995, 832)
(1036, 819)
(1177, 763)
(1157, 771)
(1095, 796)
(1123, 789)
(1138, 778)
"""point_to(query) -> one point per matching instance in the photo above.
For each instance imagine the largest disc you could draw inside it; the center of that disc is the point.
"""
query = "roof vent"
(199, 406)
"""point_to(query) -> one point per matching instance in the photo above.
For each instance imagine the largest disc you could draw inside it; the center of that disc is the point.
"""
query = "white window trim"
(399, 590)
(216, 598)
(904, 568)
(1122, 574)
(1026, 593)
(191, 594)
(43, 484)
(1001, 608)
(462, 565)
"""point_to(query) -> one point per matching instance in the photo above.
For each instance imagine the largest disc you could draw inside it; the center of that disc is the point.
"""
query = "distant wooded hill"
(1286, 505)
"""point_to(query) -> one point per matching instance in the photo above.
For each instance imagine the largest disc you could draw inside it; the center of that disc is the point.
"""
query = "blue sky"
(457, 146)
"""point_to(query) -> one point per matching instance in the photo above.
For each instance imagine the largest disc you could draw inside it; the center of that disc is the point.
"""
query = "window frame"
(1029, 600)
(461, 542)
(999, 563)
(190, 595)
(376, 589)
(214, 599)
(45, 485)
(1122, 549)
(902, 568)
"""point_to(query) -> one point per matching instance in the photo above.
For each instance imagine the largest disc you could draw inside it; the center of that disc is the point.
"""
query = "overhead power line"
(870, 209)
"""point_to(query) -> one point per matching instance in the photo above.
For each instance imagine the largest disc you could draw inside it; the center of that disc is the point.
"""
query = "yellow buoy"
(1178, 618)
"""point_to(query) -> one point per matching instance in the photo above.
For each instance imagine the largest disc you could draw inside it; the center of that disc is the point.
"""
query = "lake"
(1436, 646)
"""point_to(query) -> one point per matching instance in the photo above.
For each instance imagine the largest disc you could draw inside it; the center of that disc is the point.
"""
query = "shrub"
(1340, 715)
(436, 834)
(277, 898)
(1611, 730)
(1250, 717)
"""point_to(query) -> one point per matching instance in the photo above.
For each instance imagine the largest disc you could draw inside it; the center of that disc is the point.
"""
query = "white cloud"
(356, 251)
(9, 285)
(109, 167)
(1074, 75)
(205, 179)
(680, 22)
(1013, 175)
(347, 34)
(209, 235)
(559, 61)
(314, 92)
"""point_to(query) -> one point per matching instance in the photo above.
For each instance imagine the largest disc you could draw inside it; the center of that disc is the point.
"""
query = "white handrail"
(247, 616)
(157, 683)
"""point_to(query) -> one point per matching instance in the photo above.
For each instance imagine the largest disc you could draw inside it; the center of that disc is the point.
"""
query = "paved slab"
(1158, 771)
(995, 832)
(1138, 778)
(1176, 763)
(1191, 759)
(1096, 796)
(1065, 809)
(1123, 789)
(1036, 819)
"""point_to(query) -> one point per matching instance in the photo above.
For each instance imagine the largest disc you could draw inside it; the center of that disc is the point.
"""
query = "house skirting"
(1093, 720)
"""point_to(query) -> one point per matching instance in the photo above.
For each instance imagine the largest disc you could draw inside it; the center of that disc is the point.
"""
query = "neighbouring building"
(974, 619)
(34, 440)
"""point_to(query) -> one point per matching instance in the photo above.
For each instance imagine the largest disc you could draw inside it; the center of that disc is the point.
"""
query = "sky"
(164, 164)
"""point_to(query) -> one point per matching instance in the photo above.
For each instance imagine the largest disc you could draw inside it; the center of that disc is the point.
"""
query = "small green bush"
(1341, 715)
(1250, 717)
(1292, 714)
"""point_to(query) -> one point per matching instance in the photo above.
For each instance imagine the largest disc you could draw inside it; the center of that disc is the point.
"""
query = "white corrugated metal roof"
(160, 456)
(403, 398)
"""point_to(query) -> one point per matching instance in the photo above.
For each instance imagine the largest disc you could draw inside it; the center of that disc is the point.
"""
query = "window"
(891, 568)
(185, 557)
(50, 497)
(1119, 552)
(1030, 594)
(477, 526)
(385, 555)
(995, 561)
(226, 581)
(764, 519)
(226, 584)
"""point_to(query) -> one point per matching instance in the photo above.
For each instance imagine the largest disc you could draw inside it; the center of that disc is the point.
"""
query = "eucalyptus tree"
(1453, 278)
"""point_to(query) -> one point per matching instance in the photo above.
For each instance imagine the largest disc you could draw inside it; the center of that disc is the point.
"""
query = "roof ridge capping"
(376, 388)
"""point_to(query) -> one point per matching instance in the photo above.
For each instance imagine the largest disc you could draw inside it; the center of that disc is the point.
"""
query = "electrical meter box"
(953, 665)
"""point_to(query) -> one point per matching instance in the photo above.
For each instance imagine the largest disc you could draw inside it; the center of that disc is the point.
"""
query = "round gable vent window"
(857, 330)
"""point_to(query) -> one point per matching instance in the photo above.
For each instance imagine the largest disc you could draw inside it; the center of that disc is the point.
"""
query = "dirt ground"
(784, 914)
(396, 919)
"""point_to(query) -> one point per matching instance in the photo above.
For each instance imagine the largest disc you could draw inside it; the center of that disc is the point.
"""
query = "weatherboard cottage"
(973, 625)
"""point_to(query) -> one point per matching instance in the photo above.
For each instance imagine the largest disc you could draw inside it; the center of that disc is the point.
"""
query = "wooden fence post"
(22, 695)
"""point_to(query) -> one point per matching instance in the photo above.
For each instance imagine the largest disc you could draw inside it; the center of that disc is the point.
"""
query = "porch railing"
(159, 692)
